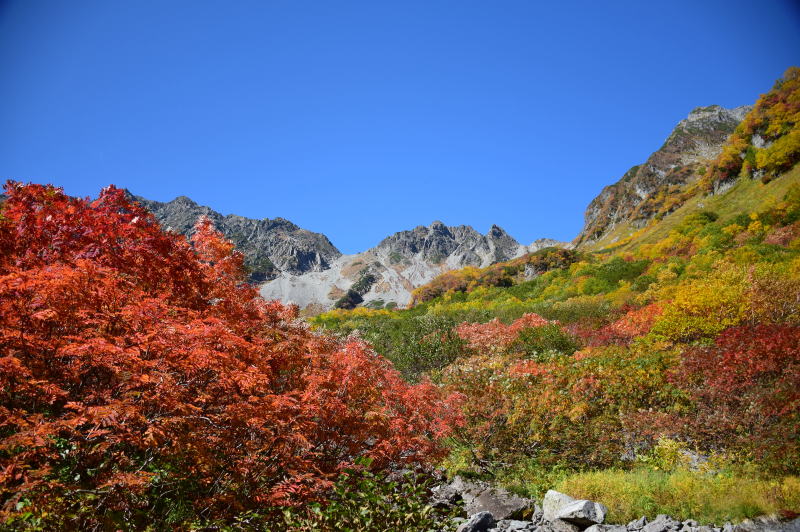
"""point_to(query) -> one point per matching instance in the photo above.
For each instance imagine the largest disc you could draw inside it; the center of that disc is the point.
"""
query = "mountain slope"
(269, 246)
(756, 165)
(644, 189)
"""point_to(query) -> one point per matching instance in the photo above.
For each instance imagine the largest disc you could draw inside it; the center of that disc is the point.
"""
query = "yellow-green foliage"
(703, 308)
(683, 494)
(776, 120)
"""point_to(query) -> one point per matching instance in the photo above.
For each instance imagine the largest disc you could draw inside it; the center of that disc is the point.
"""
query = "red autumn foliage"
(495, 335)
(137, 369)
(746, 388)
(634, 323)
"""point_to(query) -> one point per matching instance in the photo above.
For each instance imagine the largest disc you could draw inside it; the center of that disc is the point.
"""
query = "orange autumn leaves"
(136, 369)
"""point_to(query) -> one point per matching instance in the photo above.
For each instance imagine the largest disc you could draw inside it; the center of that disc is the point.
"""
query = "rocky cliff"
(386, 274)
(270, 247)
(640, 193)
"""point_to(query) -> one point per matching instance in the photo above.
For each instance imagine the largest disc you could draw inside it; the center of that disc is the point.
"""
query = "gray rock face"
(696, 139)
(662, 523)
(269, 246)
(768, 524)
(511, 525)
(460, 246)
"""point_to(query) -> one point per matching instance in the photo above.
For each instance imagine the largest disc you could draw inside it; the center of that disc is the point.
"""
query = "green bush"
(542, 343)
(363, 501)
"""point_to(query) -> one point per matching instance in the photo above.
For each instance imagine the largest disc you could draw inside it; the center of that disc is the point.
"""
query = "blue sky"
(359, 119)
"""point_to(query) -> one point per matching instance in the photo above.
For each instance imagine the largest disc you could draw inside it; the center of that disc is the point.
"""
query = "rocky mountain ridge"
(643, 189)
(270, 246)
(387, 273)
(302, 267)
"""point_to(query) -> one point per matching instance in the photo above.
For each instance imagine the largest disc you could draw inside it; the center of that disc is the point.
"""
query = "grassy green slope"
(745, 196)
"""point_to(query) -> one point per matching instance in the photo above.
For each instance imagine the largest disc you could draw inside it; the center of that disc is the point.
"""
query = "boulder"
(583, 513)
(662, 523)
(480, 522)
(553, 502)
(444, 496)
(482, 497)
(558, 525)
(637, 524)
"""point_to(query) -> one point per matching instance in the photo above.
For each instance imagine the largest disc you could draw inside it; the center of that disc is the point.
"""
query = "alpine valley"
(299, 267)
(167, 367)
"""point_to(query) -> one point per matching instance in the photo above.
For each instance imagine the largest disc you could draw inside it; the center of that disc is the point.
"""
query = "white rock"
(583, 513)
(553, 502)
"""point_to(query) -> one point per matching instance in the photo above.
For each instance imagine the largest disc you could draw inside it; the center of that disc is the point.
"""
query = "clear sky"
(359, 119)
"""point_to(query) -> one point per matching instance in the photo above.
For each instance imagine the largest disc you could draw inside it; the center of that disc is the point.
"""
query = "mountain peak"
(638, 195)
(495, 231)
(269, 246)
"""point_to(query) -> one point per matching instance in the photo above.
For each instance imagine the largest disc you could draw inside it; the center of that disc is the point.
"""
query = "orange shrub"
(138, 373)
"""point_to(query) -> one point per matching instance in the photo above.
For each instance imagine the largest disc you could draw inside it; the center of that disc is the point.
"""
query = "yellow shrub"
(682, 494)
(704, 307)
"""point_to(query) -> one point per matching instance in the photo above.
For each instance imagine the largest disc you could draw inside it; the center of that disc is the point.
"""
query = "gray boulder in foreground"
(583, 513)
(560, 509)
(553, 502)
(483, 497)
(662, 523)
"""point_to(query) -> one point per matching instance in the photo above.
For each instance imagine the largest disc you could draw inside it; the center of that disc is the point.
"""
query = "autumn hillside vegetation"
(144, 384)
(660, 374)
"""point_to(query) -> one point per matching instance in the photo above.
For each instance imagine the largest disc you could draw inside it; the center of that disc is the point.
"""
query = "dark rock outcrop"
(269, 246)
